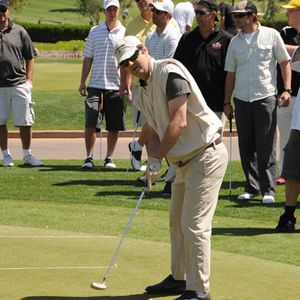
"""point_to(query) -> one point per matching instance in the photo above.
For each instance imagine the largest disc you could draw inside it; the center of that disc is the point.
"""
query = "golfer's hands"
(152, 171)
(228, 111)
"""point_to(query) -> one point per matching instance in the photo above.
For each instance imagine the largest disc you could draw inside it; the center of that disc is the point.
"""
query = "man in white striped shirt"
(162, 42)
(103, 97)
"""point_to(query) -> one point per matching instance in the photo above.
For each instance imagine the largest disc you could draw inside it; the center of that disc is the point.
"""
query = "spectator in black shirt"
(203, 53)
(291, 38)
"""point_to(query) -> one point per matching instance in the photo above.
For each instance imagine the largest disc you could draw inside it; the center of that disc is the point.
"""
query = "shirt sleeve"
(176, 86)
(230, 62)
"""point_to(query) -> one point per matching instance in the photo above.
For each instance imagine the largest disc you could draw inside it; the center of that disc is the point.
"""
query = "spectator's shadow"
(244, 231)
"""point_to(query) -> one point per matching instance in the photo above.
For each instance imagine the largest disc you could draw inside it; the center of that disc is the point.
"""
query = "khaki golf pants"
(194, 198)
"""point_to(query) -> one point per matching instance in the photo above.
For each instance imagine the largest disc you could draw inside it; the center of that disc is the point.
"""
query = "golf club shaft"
(124, 235)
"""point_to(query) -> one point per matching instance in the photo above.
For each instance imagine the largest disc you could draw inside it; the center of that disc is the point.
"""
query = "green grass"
(61, 194)
(61, 199)
(58, 104)
(57, 11)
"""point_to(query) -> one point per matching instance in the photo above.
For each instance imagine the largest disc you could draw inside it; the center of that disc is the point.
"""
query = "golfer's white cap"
(108, 3)
(163, 5)
(126, 47)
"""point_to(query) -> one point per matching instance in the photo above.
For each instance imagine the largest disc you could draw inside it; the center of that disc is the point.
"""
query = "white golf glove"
(153, 171)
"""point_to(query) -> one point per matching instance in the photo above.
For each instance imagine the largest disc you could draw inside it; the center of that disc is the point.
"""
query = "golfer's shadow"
(125, 297)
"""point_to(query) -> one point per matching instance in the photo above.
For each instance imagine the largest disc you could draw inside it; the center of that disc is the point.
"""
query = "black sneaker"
(168, 286)
(136, 156)
(88, 163)
(108, 163)
(286, 224)
(193, 295)
(167, 189)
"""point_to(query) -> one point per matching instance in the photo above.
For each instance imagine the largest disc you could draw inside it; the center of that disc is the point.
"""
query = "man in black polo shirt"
(203, 52)
(15, 85)
(291, 37)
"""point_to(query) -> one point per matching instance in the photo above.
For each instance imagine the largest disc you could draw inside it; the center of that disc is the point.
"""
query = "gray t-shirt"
(15, 48)
(176, 86)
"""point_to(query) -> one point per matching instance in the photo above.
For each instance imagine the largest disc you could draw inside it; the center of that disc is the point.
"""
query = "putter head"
(98, 285)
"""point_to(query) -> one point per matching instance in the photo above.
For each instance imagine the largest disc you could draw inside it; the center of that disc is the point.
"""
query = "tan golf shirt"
(203, 126)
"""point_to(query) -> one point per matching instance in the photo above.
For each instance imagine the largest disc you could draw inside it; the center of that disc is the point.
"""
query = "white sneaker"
(7, 161)
(108, 163)
(245, 196)
(32, 161)
(136, 155)
(88, 163)
(268, 199)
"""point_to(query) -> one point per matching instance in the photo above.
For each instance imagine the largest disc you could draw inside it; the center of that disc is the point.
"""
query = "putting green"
(45, 264)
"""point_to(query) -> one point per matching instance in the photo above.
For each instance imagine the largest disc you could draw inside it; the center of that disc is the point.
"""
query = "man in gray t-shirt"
(15, 86)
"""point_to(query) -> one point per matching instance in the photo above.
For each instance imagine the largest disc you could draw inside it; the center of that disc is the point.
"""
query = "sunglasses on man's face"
(3, 9)
(125, 63)
(201, 12)
(240, 16)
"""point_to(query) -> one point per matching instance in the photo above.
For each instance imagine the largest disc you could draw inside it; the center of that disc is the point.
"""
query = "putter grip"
(230, 123)
(138, 117)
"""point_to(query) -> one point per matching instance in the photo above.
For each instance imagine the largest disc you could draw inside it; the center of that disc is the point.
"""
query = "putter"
(134, 135)
(102, 285)
(230, 154)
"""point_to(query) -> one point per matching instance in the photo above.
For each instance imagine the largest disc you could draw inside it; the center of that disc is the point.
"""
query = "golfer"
(187, 132)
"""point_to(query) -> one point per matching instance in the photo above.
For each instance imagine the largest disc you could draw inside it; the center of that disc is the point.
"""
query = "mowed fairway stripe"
(48, 268)
(140, 263)
(58, 237)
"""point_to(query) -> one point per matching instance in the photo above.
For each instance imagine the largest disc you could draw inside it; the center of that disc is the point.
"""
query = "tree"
(90, 9)
(17, 5)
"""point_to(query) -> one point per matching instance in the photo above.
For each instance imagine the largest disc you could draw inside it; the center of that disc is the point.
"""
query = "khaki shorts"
(18, 99)
(291, 159)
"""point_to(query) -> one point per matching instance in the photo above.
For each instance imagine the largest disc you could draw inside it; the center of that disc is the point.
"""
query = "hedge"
(49, 33)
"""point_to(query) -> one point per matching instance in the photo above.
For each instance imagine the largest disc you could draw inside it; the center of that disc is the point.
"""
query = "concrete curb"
(63, 134)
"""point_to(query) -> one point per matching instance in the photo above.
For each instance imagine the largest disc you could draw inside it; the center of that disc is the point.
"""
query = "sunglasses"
(125, 63)
(240, 16)
(3, 9)
(202, 11)
(158, 12)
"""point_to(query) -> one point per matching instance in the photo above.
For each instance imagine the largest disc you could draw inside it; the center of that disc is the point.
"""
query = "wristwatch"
(288, 90)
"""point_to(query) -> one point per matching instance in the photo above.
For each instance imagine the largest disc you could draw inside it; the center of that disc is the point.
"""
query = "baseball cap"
(210, 4)
(126, 47)
(164, 5)
(292, 4)
(108, 3)
(4, 3)
(245, 7)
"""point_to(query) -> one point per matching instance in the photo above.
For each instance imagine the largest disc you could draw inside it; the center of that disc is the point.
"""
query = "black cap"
(210, 4)
(4, 3)
(245, 7)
